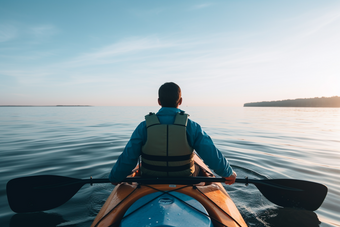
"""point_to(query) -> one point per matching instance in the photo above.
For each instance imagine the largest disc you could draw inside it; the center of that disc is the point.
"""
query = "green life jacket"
(166, 152)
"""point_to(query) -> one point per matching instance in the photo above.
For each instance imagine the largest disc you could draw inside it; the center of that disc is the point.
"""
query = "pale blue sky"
(119, 52)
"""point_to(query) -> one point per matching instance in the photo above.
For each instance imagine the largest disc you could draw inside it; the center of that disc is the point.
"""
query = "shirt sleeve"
(207, 150)
(127, 161)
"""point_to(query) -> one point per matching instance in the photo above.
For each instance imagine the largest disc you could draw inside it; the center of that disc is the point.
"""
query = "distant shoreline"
(330, 102)
(45, 106)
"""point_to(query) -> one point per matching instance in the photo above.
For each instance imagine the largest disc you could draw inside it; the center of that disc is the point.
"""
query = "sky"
(118, 53)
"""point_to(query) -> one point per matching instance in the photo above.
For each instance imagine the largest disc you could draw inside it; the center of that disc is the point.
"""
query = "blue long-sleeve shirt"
(197, 139)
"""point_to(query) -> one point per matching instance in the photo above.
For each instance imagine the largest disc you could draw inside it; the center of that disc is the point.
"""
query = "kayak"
(167, 205)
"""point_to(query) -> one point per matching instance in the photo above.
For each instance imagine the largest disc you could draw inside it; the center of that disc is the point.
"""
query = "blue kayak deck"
(166, 209)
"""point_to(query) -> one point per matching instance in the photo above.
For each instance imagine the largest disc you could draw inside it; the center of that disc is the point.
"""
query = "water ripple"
(260, 143)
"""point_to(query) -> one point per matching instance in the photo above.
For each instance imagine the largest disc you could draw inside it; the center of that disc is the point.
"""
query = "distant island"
(72, 105)
(44, 105)
(308, 102)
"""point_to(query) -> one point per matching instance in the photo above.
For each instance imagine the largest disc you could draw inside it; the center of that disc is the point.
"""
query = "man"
(166, 141)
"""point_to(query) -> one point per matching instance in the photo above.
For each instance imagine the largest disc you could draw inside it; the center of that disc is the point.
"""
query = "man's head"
(169, 95)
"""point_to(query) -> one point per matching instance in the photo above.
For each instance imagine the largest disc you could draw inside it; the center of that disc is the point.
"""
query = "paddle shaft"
(161, 180)
(39, 193)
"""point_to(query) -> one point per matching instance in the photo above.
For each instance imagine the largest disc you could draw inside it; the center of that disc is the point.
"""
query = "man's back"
(170, 98)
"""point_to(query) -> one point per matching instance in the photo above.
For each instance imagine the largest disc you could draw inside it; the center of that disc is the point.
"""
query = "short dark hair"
(169, 94)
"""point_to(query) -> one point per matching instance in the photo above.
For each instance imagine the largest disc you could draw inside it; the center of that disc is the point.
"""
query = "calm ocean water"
(79, 142)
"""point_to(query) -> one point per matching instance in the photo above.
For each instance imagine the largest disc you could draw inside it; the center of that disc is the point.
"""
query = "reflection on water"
(40, 219)
(295, 143)
(283, 217)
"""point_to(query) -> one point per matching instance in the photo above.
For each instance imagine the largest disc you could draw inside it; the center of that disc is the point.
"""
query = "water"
(79, 142)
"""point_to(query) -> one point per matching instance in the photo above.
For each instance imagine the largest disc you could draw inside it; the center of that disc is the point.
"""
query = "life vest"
(166, 152)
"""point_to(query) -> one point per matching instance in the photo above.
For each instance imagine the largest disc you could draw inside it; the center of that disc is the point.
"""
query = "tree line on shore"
(307, 102)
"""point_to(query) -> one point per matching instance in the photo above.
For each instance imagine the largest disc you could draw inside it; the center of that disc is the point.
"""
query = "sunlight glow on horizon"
(221, 54)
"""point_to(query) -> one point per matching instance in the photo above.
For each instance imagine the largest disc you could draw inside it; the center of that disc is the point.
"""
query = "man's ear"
(180, 101)
(159, 102)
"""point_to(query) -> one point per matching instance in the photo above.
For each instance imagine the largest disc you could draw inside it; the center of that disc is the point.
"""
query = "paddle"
(39, 193)
(291, 193)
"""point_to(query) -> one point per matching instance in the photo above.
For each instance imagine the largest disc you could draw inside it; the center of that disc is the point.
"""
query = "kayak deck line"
(217, 205)
(170, 194)
(194, 187)
(115, 207)
(138, 186)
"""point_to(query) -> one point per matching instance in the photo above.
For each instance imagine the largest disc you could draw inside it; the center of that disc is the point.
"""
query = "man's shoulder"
(141, 125)
(140, 131)
(192, 122)
(193, 125)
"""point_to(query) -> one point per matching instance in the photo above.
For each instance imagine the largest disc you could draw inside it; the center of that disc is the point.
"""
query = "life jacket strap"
(168, 158)
(181, 119)
(151, 120)
(167, 168)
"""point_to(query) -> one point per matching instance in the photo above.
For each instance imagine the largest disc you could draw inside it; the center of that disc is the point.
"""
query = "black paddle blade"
(292, 193)
(39, 193)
